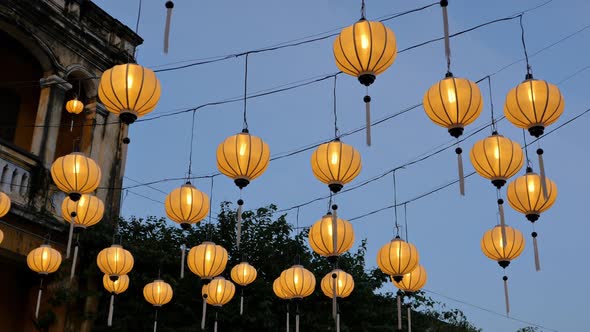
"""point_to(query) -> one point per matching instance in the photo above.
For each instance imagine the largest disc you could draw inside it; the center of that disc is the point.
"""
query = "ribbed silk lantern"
(413, 281)
(130, 91)
(5, 204)
(344, 284)
(278, 290)
(157, 293)
(114, 261)
(497, 158)
(187, 205)
(243, 157)
(115, 287)
(75, 174)
(43, 260)
(321, 239)
(87, 211)
(398, 258)
(336, 164)
(453, 103)
(297, 282)
(533, 105)
(243, 274)
(207, 260)
(74, 106)
(526, 196)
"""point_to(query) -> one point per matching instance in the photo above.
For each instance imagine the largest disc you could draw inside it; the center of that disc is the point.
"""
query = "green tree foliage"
(269, 245)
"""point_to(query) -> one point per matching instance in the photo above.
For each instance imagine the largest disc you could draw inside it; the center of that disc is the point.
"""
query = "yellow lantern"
(74, 106)
(413, 281)
(75, 174)
(525, 195)
(297, 282)
(207, 260)
(398, 258)
(86, 212)
(243, 274)
(130, 91)
(114, 261)
(497, 158)
(157, 293)
(533, 105)
(243, 157)
(5, 204)
(336, 164)
(344, 284)
(502, 250)
(116, 286)
(321, 237)
(219, 291)
(453, 103)
(278, 290)
(187, 205)
(365, 50)
(44, 260)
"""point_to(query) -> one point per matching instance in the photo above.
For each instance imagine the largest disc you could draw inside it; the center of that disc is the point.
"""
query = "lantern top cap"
(208, 242)
(448, 75)
(45, 245)
(528, 76)
(529, 170)
(245, 131)
(188, 184)
(495, 133)
(297, 266)
(397, 238)
(116, 246)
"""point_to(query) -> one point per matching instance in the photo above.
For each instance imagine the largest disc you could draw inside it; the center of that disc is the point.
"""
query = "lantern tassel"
(459, 152)
(239, 223)
(215, 324)
(542, 171)
(242, 304)
(502, 220)
(334, 298)
(399, 311)
(536, 250)
(182, 260)
(367, 101)
(338, 322)
(111, 308)
(39, 299)
(70, 236)
(335, 229)
(287, 321)
(73, 272)
(156, 321)
(505, 278)
(409, 319)
(204, 313)
(169, 6)
(296, 322)
(72, 124)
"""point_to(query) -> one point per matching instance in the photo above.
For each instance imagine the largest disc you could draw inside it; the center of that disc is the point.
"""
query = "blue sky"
(445, 227)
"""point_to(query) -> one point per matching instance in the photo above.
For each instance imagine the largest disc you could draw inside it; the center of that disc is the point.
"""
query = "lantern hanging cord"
(190, 156)
(210, 210)
(245, 90)
(363, 10)
(444, 4)
(526, 54)
(489, 78)
(406, 220)
(336, 130)
(395, 203)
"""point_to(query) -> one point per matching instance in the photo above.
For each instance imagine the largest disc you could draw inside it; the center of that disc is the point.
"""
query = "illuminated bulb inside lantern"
(496, 153)
(243, 147)
(531, 95)
(296, 279)
(451, 96)
(334, 159)
(531, 186)
(189, 199)
(76, 167)
(339, 283)
(44, 255)
(219, 288)
(129, 82)
(208, 255)
(364, 42)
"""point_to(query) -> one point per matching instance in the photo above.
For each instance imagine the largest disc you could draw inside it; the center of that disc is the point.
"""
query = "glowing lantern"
(413, 281)
(336, 164)
(157, 293)
(43, 260)
(85, 212)
(219, 291)
(497, 158)
(130, 91)
(75, 174)
(207, 260)
(321, 237)
(74, 106)
(243, 158)
(5, 204)
(453, 103)
(243, 274)
(503, 249)
(187, 205)
(115, 287)
(344, 284)
(278, 290)
(398, 258)
(297, 282)
(114, 261)
(526, 196)
(533, 105)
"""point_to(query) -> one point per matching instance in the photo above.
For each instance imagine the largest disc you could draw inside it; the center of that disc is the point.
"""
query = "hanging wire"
(526, 54)
(363, 10)
(494, 129)
(336, 130)
(406, 220)
(190, 156)
(210, 209)
(395, 204)
(245, 90)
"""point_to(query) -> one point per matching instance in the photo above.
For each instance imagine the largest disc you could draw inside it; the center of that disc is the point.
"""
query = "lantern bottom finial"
(241, 183)
(75, 196)
(532, 217)
(113, 278)
(499, 183)
(536, 131)
(367, 79)
(335, 187)
(456, 132)
(127, 117)
(504, 264)
(398, 279)
(185, 226)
